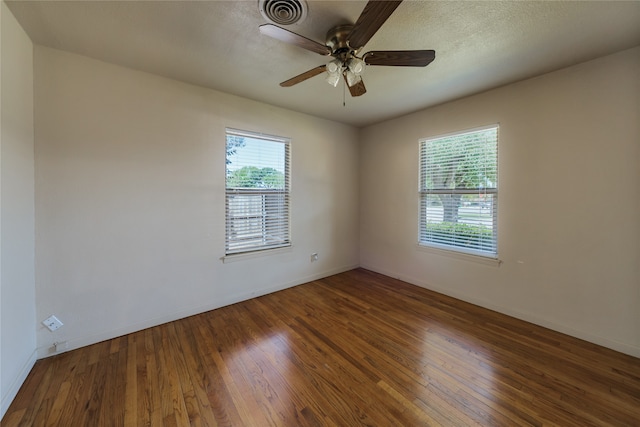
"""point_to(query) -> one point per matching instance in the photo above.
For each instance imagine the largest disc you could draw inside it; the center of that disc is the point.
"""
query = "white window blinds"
(459, 191)
(257, 192)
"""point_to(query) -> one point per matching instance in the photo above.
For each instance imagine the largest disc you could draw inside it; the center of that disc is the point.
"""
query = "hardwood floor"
(353, 349)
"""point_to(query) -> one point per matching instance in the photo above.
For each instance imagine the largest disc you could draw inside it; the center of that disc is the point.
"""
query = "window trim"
(254, 251)
(465, 256)
(240, 256)
(487, 257)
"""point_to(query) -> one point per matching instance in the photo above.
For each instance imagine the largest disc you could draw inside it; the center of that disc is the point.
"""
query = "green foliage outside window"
(253, 177)
(466, 235)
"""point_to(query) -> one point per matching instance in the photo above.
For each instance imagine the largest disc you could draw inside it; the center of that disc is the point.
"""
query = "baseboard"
(17, 382)
(74, 343)
(527, 317)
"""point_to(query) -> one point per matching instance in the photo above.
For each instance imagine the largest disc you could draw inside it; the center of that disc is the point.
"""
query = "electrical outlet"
(52, 323)
(314, 256)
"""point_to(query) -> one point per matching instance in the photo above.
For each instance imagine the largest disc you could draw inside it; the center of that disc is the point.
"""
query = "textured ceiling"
(216, 44)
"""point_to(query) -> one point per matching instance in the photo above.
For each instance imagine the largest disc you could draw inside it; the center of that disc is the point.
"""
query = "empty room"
(319, 213)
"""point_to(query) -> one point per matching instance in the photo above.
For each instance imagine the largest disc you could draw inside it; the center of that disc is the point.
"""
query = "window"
(257, 192)
(459, 192)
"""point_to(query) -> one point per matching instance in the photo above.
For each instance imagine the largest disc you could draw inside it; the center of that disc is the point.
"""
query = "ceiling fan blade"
(375, 13)
(304, 76)
(292, 38)
(357, 89)
(401, 58)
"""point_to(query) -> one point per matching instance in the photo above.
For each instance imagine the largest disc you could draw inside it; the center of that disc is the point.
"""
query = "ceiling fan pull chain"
(344, 91)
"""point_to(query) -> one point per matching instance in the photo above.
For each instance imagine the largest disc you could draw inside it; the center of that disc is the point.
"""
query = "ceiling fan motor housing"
(337, 40)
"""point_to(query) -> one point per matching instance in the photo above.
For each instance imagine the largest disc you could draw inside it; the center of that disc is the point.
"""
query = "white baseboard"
(527, 317)
(17, 382)
(74, 343)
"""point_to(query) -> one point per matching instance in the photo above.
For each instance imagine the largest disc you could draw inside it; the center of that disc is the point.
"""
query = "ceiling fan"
(344, 43)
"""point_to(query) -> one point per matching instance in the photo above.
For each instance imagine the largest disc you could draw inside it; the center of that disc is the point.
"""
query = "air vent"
(283, 12)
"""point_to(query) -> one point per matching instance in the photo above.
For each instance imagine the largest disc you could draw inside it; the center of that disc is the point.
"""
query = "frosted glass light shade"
(333, 66)
(356, 66)
(333, 79)
(352, 78)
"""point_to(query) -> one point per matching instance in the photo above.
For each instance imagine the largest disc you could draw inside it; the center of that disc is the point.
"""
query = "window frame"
(424, 193)
(280, 207)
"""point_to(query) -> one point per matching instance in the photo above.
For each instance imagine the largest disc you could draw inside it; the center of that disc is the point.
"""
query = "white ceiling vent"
(283, 12)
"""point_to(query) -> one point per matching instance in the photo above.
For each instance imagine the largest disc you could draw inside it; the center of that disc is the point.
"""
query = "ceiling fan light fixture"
(334, 66)
(352, 78)
(334, 70)
(333, 79)
(355, 65)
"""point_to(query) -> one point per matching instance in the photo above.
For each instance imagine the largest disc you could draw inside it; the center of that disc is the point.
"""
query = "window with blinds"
(459, 192)
(257, 192)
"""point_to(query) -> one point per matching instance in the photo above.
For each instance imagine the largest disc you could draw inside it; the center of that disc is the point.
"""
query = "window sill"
(494, 262)
(256, 254)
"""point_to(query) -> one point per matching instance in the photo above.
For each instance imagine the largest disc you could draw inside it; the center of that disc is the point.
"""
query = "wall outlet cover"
(52, 323)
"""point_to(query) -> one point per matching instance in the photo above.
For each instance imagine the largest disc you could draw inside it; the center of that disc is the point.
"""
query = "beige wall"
(130, 199)
(17, 287)
(129, 195)
(569, 201)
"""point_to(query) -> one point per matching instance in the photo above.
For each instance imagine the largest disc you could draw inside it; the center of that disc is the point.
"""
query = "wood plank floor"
(353, 349)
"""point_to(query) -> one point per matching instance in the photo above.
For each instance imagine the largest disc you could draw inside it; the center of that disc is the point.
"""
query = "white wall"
(17, 288)
(130, 199)
(569, 201)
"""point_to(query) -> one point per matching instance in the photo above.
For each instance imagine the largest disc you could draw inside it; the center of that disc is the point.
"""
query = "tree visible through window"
(257, 192)
(459, 191)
